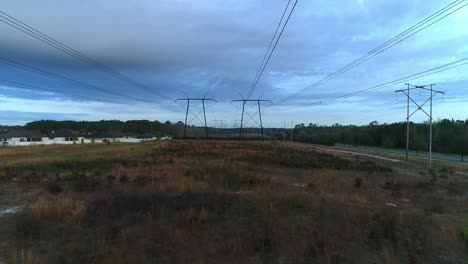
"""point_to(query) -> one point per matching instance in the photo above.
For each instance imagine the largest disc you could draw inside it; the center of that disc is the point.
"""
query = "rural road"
(358, 153)
(419, 154)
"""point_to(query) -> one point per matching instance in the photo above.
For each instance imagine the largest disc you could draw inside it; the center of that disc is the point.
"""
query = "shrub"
(70, 177)
(68, 209)
(3, 176)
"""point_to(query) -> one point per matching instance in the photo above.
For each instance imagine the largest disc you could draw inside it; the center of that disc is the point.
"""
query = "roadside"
(412, 153)
(417, 162)
(358, 153)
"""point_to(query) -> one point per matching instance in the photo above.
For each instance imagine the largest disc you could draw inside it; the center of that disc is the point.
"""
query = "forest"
(116, 126)
(449, 136)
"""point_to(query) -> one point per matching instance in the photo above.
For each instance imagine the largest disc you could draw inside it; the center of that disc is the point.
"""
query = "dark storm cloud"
(214, 48)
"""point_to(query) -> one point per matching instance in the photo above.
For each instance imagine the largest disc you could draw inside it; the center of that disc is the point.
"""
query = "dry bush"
(192, 216)
(181, 185)
(25, 256)
(69, 209)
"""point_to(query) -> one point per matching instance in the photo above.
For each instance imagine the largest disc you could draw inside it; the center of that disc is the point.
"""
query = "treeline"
(116, 126)
(449, 136)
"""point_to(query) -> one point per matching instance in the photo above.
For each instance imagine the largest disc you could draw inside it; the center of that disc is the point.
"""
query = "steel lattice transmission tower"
(203, 100)
(244, 101)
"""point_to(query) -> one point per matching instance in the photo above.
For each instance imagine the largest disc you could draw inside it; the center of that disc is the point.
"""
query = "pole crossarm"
(188, 100)
(251, 100)
(195, 99)
(420, 106)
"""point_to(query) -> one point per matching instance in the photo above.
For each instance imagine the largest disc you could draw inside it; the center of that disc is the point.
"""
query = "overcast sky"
(214, 48)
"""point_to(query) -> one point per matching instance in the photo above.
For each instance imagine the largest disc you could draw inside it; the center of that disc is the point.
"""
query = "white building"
(66, 136)
(24, 138)
(103, 137)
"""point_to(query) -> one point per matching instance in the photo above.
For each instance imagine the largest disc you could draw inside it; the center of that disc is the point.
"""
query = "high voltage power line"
(361, 111)
(37, 88)
(425, 23)
(25, 28)
(391, 104)
(67, 79)
(270, 50)
(415, 76)
(445, 67)
(441, 68)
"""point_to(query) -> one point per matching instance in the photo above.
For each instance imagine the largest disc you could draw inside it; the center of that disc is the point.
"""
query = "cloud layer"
(214, 48)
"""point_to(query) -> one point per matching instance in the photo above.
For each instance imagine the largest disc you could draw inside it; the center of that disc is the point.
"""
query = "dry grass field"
(226, 202)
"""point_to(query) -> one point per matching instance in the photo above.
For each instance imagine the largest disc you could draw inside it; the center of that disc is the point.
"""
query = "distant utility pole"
(292, 131)
(244, 101)
(220, 121)
(216, 125)
(195, 116)
(419, 107)
(284, 130)
(235, 123)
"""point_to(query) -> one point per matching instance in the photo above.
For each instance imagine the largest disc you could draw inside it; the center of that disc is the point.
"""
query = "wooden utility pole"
(419, 107)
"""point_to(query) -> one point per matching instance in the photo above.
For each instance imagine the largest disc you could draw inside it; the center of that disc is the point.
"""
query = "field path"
(357, 153)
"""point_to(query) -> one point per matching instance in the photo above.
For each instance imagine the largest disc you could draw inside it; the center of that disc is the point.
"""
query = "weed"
(4, 176)
(357, 182)
(392, 185)
(69, 177)
(123, 178)
(54, 186)
(465, 235)
(455, 188)
(85, 184)
(111, 178)
(25, 255)
(97, 173)
(68, 209)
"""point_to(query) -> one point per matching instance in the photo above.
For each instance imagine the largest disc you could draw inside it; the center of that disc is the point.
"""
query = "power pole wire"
(25, 28)
(385, 46)
(397, 104)
(244, 101)
(274, 47)
(36, 88)
(358, 112)
(67, 79)
(441, 68)
(252, 87)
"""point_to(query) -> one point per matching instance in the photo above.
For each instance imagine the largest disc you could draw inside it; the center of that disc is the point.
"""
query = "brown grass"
(25, 256)
(66, 208)
(230, 202)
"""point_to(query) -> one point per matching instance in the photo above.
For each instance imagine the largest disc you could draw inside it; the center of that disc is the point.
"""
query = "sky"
(213, 49)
